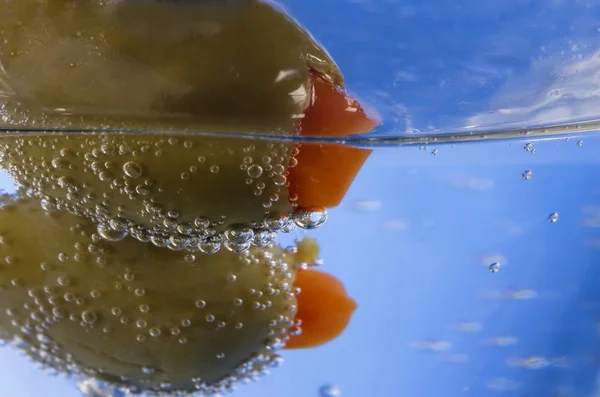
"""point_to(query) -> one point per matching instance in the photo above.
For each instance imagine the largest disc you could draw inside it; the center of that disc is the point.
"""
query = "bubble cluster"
(194, 194)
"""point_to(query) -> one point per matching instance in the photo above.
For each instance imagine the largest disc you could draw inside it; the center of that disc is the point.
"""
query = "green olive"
(133, 314)
(240, 66)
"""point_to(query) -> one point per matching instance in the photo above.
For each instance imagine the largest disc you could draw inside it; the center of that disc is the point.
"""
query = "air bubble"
(237, 248)
(209, 247)
(142, 190)
(262, 238)
(239, 234)
(310, 218)
(553, 217)
(527, 175)
(330, 391)
(202, 222)
(59, 163)
(132, 169)
(155, 332)
(109, 234)
(529, 148)
(254, 171)
(141, 323)
(89, 317)
(200, 304)
(48, 205)
(494, 267)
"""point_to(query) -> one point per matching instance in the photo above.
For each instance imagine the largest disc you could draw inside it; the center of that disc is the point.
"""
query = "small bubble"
(529, 148)
(48, 205)
(254, 171)
(553, 217)
(142, 190)
(239, 234)
(435, 152)
(89, 317)
(200, 304)
(59, 163)
(141, 323)
(107, 148)
(132, 169)
(144, 308)
(494, 267)
(155, 332)
(147, 371)
(330, 391)
(189, 258)
(580, 142)
(310, 218)
(209, 247)
(214, 169)
(109, 234)
(202, 222)
(527, 175)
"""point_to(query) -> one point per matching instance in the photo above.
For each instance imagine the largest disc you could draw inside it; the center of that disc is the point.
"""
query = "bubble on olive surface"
(310, 218)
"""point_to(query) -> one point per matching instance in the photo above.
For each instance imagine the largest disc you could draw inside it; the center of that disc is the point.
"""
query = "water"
(458, 259)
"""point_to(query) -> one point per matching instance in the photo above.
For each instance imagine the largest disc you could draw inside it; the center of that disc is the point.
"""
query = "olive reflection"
(231, 67)
(154, 319)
